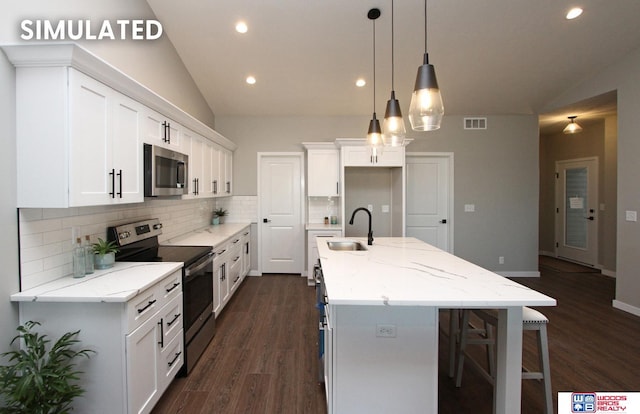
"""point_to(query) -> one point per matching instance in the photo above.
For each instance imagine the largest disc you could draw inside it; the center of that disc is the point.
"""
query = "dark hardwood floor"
(263, 357)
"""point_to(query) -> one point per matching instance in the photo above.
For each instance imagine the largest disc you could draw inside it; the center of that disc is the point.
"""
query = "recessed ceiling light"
(574, 13)
(360, 83)
(241, 27)
(251, 80)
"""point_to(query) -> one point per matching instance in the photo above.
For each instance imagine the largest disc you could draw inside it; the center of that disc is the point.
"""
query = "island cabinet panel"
(370, 373)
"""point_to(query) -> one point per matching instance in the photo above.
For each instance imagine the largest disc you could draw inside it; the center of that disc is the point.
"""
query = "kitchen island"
(381, 332)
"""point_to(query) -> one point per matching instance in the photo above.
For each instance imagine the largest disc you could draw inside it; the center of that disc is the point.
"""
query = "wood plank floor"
(263, 357)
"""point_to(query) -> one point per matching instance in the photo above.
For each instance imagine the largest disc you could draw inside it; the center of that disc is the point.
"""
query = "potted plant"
(104, 253)
(40, 380)
(220, 213)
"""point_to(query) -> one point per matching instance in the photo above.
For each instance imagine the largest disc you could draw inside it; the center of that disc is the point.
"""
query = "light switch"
(370, 207)
(469, 208)
(385, 208)
(631, 215)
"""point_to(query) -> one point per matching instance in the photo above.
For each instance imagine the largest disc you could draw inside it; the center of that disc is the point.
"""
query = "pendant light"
(393, 130)
(572, 127)
(426, 109)
(374, 134)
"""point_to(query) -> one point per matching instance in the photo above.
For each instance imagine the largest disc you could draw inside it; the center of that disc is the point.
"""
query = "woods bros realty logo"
(598, 402)
(121, 29)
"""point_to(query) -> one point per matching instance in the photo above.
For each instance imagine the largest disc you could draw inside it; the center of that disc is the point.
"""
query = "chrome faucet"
(370, 235)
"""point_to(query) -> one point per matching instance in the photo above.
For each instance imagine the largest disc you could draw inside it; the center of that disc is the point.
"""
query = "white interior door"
(576, 210)
(280, 206)
(429, 199)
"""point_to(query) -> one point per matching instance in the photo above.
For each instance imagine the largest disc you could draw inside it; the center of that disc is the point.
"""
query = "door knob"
(443, 221)
(590, 218)
(266, 220)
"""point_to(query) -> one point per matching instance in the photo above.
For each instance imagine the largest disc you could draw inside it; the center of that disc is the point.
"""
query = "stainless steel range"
(138, 242)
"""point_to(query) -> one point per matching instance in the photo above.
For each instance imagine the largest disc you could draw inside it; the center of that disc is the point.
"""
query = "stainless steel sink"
(346, 245)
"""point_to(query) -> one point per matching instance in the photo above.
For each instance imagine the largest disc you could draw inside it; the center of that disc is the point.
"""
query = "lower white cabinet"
(138, 345)
(312, 249)
(231, 264)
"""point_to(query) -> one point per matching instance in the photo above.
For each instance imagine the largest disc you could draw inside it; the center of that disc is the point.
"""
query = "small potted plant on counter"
(104, 253)
(41, 378)
(220, 213)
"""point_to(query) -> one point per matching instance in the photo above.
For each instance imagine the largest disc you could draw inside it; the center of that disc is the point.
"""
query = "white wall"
(495, 169)
(154, 64)
(623, 76)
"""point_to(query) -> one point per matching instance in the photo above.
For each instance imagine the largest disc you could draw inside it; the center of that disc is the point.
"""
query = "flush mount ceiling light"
(374, 134)
(241, 27)
(572, 127)
(251, 80)
(360, 83)
(573, 13)
(426, 109)
(393, 130)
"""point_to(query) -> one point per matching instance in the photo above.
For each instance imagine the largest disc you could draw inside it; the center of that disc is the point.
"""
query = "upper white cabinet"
(81, 125)
(323, 172)
(364, 156)
(77, 141)
(201, 164)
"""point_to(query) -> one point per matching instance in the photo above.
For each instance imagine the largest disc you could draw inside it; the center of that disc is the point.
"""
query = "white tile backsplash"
(47, 235)
(321, 207)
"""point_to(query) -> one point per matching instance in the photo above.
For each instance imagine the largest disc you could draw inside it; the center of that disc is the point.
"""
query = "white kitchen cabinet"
(231, 264)
(246, 252)
(227, 178)
(77, 141)
(312, 249)
(199, 150)
(323, 173)
(221, 277)
(364, 156)
(162, 131)
(138, 344)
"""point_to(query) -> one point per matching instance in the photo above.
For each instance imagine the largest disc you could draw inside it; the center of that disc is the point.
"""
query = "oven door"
(197, 295)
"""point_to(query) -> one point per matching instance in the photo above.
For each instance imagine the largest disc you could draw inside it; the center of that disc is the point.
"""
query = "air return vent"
(475, 123)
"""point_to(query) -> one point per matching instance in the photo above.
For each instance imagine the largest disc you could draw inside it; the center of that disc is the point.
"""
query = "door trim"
(303, 213)
(450, 213)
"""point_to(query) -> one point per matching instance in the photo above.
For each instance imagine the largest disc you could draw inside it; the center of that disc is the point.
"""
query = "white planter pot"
(105, 261)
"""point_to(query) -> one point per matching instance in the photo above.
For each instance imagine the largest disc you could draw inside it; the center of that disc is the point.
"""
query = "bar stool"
(532, 320)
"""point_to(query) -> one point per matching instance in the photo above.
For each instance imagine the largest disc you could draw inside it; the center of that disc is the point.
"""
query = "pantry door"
(576, 210)
(280, 220)
(430, 198)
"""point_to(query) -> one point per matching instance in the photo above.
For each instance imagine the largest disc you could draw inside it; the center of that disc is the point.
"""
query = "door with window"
(576, 210)
(281, 229)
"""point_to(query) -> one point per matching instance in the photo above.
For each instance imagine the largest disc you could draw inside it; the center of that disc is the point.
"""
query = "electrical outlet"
(385, 331)
(501, 260)
(370, 207)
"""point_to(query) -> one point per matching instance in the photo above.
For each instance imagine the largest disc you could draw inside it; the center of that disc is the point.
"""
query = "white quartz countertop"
(408, 272)
(323, 227)
(118, 284)
(208, 236)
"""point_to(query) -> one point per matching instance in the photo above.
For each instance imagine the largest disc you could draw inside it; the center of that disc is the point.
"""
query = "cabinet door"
(217, 164)
(91, 177)
(246, 253)
(391, 157)
(127, 150)
(160, 130)
(323, 172)
(143, 354)
(312, 249)
(363, 156)
(228, 172)
(206, 181)
(195, 162)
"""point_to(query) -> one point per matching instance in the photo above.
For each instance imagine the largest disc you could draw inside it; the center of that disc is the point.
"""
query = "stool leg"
(454, 328)
(464, 323)
(491, 350)
(543, 347)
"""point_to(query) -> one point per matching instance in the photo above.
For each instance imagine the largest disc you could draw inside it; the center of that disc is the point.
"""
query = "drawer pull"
(175, 318)
(175, 285)
(161, 342)
(175, 358)
(236, 241)
(236, 259)
(148, 305)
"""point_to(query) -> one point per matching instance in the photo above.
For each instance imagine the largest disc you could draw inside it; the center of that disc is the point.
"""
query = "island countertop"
(118, 284)
(404, 271)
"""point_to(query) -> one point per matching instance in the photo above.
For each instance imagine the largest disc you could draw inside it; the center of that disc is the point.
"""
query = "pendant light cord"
(425, 27)
(374, 66)
(392, 50)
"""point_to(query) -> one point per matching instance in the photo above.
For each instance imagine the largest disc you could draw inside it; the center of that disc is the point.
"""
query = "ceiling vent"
(475, 123)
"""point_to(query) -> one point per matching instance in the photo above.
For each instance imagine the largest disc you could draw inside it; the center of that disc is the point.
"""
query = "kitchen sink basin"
(346, 245)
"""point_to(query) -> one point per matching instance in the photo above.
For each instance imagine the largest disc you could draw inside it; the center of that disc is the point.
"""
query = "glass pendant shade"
(374, 134)
(426, 109)
(393, 129)
(572, 127)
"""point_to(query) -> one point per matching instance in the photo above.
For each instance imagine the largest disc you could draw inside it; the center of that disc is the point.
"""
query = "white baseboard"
(634, 310)
(520, 274)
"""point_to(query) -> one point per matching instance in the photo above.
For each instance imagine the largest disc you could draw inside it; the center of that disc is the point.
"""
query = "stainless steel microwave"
(165, 172)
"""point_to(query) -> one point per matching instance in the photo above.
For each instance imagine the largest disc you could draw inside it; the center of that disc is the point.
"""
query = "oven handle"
(195, 268)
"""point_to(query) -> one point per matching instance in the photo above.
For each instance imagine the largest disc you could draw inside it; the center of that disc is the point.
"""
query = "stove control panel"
(132, 232)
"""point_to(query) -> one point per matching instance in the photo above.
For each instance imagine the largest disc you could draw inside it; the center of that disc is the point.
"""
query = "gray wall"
(154, 64)
(495, 169)
(597, 139)
(623, 76)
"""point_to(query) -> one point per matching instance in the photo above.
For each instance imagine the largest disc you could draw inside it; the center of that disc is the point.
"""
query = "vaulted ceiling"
(491, 57)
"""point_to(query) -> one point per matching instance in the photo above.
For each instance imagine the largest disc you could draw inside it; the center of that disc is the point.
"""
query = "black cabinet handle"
(161, 343)
(236, 241)
(228, 187)
(215, 186)
(113, 183)
(175, 358)
(236, 258)
(120, 179)
(168, 133)
(175, 285)
(175, 318)
(147, 306)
